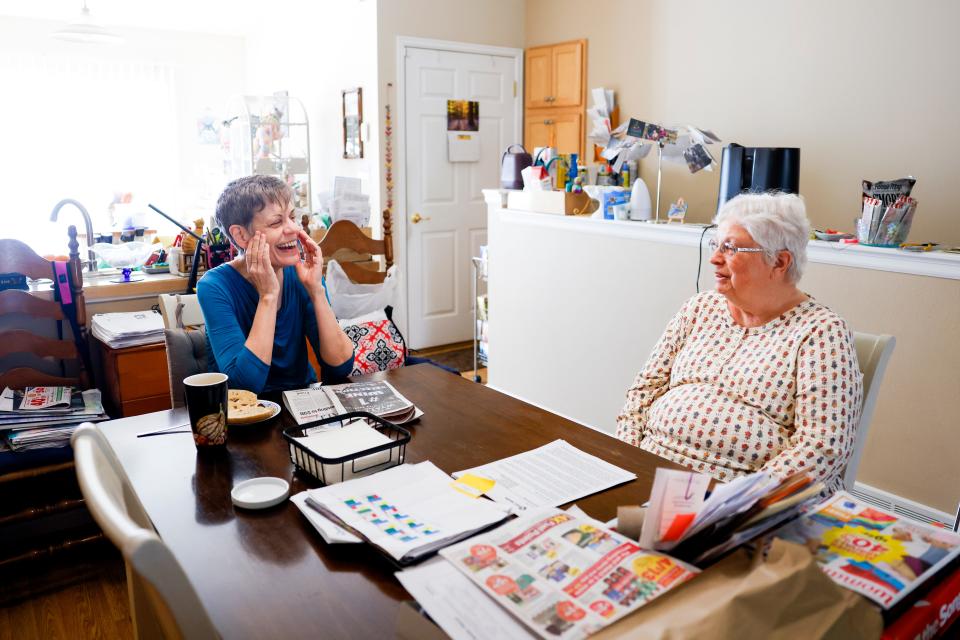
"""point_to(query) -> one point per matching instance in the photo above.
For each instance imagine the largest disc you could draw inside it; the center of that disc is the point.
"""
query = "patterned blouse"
(727, 400)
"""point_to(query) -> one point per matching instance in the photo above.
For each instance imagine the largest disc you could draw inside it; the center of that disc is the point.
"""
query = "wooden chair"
(163, 602)
(42, 511)
(16, 257)
(346, 235)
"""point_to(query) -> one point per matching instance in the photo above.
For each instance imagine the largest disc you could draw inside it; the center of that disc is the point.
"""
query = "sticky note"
(473, 485)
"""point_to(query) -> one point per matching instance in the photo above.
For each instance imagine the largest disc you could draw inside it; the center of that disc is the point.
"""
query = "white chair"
(873, 353)
(186, 339)
(163, 603)
(180, 311)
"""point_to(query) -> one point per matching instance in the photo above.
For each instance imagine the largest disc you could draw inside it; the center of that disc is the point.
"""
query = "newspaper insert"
(876, 553)
(564, 575)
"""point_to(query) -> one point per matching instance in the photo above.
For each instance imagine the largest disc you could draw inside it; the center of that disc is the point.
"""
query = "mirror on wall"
(352, 121)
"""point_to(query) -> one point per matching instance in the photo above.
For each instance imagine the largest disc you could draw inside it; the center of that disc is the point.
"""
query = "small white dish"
(260, 493)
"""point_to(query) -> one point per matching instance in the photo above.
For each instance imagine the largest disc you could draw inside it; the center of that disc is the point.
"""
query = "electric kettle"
(511, 164)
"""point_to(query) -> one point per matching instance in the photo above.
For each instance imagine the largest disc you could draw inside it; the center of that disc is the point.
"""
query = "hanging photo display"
(463, 115)
(463, 131)
(650, 131)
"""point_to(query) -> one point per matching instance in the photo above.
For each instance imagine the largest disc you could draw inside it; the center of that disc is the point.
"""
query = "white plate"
(260, 493)
(273, 406)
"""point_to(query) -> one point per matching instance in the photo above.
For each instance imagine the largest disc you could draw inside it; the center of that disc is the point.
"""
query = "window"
(83, 128)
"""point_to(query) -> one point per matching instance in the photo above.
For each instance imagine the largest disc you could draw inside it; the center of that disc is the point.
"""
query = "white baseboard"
(903, 506)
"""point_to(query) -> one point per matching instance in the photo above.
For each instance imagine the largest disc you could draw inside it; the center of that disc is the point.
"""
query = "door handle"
(548, 122)
(415, 218)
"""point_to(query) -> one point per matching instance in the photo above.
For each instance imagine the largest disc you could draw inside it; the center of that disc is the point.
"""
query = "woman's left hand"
(310, 270)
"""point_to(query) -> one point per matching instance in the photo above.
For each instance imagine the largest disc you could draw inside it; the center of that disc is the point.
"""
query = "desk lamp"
(192, 280)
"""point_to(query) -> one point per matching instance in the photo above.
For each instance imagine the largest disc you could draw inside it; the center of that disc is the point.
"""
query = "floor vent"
(902, 506)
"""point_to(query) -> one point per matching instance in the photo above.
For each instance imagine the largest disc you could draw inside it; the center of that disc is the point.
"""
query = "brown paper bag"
(784, 596)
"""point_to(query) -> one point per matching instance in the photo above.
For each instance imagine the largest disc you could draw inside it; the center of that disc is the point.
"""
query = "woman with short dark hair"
(261, 306)
(755, 375)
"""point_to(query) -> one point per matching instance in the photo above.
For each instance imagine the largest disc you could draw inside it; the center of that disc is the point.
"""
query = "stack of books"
(46, 417)
(130, 329)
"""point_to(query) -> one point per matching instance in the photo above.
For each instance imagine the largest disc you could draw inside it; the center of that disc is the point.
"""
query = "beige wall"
(329, 48)
(867, 89)
(913, 445)
(491, 22)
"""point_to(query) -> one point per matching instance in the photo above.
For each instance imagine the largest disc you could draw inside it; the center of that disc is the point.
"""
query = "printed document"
(552, 475)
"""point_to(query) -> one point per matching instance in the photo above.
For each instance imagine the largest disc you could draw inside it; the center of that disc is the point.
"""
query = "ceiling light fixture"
(87, 30)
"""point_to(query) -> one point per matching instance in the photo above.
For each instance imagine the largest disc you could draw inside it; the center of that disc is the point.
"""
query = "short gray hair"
(245, 197)
(776, 222)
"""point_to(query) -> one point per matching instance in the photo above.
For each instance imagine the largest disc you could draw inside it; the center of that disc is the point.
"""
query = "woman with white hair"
(755, 375)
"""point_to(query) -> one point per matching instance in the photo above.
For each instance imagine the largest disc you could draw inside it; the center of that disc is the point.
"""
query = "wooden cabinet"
(555, 96)
(135, 379)
(555, 75)
(562, 129)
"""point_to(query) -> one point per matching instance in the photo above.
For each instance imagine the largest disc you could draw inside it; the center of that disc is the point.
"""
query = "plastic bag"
(350, 300)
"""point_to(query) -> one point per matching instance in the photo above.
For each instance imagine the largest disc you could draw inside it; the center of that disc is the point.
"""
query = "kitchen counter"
(103, 296)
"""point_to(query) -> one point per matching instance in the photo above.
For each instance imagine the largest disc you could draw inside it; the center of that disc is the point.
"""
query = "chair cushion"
(186, 355)
(378, 345)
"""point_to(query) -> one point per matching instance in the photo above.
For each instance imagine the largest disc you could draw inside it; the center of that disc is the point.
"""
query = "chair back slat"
(17, 257)
(22, 335)
(22, 377)
(20, 341)
(16, 301)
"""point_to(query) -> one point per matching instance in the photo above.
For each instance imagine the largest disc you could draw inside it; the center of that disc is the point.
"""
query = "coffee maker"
(758, 169)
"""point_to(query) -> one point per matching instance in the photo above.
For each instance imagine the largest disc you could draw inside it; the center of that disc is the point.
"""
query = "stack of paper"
(407, 512)
(129, 329)
(682, 520)
(45, 417)
(549, 476)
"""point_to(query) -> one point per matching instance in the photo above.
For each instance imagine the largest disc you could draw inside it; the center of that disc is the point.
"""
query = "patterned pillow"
(378, 344)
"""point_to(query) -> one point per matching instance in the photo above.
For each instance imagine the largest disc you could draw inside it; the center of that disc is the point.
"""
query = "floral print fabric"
(726, 400)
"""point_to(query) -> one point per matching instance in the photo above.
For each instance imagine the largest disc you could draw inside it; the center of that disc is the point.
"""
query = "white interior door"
(446, 218)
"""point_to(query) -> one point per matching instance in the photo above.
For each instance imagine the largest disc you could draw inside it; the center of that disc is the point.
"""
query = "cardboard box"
(556, 202)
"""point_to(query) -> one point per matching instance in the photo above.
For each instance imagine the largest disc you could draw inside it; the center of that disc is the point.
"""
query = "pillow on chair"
(378, 344)
(186, 355)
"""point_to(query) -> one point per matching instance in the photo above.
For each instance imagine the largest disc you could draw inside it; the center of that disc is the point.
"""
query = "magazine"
(377, 397)
(876, 553)
(565, 575)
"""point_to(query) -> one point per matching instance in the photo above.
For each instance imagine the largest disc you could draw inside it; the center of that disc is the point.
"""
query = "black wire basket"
(360, 463)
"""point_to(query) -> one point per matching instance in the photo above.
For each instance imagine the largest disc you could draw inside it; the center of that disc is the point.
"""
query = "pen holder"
(890, 235)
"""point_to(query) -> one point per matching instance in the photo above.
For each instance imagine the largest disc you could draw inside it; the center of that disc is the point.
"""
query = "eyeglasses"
(729, 249)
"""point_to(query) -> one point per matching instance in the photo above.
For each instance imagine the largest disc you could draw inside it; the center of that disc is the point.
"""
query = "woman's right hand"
(259, 270)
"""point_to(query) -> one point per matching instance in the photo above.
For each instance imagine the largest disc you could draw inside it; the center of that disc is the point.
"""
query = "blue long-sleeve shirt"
(229, 303)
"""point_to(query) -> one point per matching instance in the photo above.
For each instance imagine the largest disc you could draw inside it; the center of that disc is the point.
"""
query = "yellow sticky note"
(473, 485)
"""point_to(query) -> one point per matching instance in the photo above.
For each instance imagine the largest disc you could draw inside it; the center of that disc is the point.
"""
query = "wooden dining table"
(268, 573)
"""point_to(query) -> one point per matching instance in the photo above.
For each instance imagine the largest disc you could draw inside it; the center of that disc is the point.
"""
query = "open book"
(377, 397)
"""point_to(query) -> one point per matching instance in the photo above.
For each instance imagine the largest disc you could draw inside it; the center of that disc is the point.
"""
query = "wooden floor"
(77, 596)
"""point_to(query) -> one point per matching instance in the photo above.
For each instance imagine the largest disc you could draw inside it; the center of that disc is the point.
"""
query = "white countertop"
(935, 264)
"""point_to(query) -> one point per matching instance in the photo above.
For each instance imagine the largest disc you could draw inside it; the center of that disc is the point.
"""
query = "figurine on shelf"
(305, 223)
(189, 244)
(577, 185)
